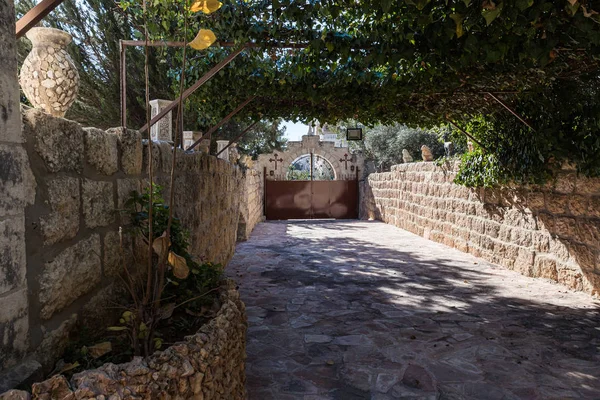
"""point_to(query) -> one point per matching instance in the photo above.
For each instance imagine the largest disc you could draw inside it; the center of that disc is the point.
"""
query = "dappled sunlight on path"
(364, 310)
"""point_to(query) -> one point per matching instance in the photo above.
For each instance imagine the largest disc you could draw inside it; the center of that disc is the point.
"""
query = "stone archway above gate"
(344, 162)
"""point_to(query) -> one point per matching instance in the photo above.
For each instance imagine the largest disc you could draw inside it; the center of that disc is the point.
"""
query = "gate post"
(265, 192)
(357, 194)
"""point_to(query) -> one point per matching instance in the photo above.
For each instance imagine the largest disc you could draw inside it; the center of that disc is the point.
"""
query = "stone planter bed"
(207, 365)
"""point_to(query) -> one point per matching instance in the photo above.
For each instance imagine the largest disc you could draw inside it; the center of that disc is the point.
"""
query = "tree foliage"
(384, 144)
(96, 27)
(386, 61)
(264, 137)
(567, 130)
(416, 62)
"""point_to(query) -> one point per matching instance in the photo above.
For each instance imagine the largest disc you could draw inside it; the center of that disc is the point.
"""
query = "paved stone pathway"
(364, 310)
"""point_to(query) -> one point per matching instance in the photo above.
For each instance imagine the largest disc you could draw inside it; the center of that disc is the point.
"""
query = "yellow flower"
(203, 40)
(206, 6)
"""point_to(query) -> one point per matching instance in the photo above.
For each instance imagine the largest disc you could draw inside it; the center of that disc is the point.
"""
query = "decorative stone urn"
(48, 76)
(426, 153)
(247, 161)
(234, 153)
(204, 146)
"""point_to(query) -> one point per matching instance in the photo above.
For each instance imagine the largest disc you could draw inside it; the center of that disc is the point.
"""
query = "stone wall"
(550, 231)
(17, 189)
(60, 256)
(208, 193)
(251, 204)
(207, 365)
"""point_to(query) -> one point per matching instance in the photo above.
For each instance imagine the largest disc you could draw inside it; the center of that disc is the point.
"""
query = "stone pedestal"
(163, 129)
(221, 144)
(188, 139)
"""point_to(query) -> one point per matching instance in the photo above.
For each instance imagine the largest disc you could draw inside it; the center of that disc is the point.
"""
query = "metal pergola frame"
(205, 78)
(238, 137)
(467, 134)
(213, 129)
(35, 15)
(510, 110)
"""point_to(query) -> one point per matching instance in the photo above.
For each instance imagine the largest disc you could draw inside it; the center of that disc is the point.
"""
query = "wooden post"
(35, 15)
(238, 137)
(123, 73)
(208, 134)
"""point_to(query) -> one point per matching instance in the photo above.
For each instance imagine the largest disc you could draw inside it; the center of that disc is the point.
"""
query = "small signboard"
(354, 134)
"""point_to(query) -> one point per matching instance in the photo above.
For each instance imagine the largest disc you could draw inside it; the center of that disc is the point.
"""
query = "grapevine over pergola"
(384, 60)
(419, 62)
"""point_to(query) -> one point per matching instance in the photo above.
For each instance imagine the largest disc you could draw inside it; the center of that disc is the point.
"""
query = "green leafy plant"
(203, 276)
(178, 281)
(478, 169)
(564, 127)
(138, 208)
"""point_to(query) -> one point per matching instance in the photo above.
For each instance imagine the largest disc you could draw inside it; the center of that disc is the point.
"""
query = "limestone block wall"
(251, 204)
(17, 189)
(550, 231)
(208, 193)
(60, 244)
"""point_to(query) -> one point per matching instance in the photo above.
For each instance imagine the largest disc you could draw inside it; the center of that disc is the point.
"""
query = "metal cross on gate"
(345, 160)
(275, 160)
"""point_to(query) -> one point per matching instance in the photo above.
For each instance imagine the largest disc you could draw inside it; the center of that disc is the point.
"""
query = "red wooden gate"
(311, 199)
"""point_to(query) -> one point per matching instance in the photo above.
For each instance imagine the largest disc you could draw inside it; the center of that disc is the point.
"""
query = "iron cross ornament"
(345, 160)
(275, 160)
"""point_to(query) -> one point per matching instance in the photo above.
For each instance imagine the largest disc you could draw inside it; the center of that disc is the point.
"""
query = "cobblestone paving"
(364, 310)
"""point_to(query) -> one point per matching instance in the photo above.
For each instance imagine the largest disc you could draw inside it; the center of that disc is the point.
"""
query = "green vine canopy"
(417, 62)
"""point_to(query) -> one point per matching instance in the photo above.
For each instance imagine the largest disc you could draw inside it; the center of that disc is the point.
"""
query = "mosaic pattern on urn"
(48, 76)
